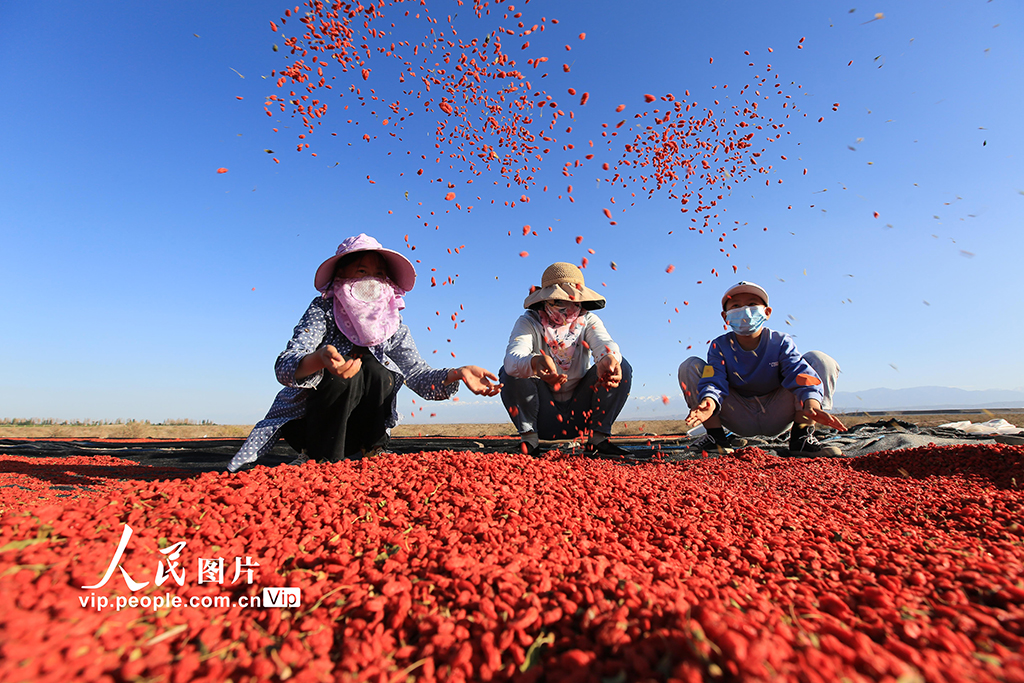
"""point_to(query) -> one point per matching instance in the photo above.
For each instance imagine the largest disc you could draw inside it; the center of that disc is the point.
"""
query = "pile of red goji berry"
(25, 480)
(898, 566)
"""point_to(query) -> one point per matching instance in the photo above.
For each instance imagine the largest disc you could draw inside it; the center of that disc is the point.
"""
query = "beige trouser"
(768, 415)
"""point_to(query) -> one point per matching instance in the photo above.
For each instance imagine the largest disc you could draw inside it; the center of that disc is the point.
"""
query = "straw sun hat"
(563, 282)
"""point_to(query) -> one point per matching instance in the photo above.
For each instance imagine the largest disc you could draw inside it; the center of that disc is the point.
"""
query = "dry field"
(139, 430)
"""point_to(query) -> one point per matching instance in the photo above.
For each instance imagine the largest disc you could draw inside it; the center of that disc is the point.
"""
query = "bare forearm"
(308, 365)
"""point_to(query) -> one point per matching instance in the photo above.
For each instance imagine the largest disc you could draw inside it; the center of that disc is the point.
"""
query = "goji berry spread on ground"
(450, 566)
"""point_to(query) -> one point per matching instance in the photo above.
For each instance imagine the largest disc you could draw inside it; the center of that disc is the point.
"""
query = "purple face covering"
(366, 309)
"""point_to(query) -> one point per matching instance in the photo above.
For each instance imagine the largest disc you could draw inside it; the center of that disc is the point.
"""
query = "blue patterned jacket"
(315, 330)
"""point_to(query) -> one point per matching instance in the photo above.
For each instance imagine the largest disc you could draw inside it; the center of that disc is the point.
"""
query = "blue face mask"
(746, 321)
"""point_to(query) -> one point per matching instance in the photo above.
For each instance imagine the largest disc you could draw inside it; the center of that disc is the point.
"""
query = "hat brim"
(746, 289)
(400, 269)
(582, 295)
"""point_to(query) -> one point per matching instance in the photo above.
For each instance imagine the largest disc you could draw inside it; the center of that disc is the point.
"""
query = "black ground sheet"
(178, 458)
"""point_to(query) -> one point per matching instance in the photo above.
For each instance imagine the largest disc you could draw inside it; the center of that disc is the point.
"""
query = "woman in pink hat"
(347, 358)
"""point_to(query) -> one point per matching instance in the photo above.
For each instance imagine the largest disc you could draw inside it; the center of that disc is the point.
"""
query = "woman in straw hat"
(347, 359)
(549, 387)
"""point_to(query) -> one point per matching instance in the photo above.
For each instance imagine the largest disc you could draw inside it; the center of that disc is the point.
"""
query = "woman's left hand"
(480, 381)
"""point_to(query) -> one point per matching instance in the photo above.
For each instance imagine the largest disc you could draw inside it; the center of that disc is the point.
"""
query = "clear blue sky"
(139, 283)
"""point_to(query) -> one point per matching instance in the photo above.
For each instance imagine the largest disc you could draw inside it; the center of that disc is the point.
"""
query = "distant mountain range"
(926, 398)
(870, 400)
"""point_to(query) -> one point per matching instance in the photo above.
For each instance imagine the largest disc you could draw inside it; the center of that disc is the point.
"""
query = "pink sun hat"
(400, 268)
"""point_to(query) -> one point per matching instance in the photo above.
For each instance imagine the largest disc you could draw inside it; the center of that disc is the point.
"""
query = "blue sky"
(139, 283)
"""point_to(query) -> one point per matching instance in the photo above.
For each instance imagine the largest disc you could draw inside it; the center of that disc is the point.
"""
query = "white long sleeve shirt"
(527, 341)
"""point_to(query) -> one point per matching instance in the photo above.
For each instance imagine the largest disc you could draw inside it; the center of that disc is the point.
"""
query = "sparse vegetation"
(51, 422)
(180, 428)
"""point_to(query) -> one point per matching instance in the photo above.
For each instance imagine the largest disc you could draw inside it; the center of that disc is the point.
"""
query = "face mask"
(562, 329)
(561, 313)
(366, 309)
(746, 321)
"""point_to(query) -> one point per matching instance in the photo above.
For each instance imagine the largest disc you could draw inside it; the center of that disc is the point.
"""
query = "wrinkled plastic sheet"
(990, 428)
(858, 440)
(873, 437)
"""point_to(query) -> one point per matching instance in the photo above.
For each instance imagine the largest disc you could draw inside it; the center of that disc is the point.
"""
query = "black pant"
(592, 408)
(345, 416)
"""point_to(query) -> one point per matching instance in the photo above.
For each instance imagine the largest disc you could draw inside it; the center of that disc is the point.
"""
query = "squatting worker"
(347, 359)
(756, 383)
(549, 388)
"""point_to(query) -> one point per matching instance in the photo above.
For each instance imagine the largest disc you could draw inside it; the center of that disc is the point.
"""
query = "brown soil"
(1014, 417)
(132, 430)
(648, 427)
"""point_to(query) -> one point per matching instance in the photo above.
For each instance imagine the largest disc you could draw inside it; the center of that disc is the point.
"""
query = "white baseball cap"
(745, 288)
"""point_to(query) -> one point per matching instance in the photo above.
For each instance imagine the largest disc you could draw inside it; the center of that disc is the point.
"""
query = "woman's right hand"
(546, 369)
(337, 364)
(327, 358)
